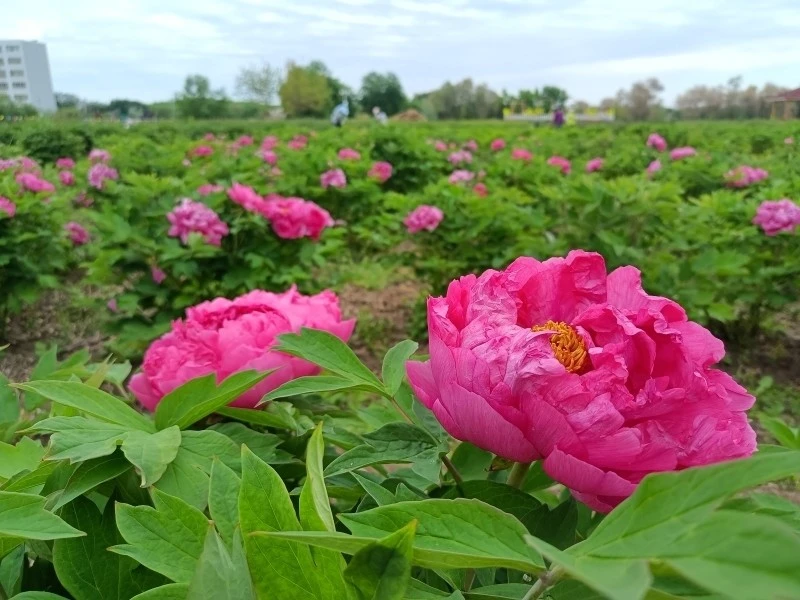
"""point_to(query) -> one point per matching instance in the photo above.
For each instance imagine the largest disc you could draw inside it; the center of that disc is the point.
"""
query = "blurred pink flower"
(98, 155)
(657, 142)
(65, 163)
(223, 337)
(381, 171)
(209, 137)
(112, 305)
(298, 142)
(498, 144)
(349, 154)
(195, 217)
(521, 154)
(157, 274)
(66, 178)
(594, 165)
(244, 140)
(269, 157)
(34, 183)
(275, 172)
(7, 164)
(246, 197)
(333, 178)
(77, 233)
(481, 190)
(471, 145)
(28, 164)
(653, 167)
(209, 188)
(777, 216)
(744, 176)
(461, 156)
(294, 218)
(7, 207)
(561, 362)
(269, 142)
(788, 141)
(560, 162)
(99, 173)
(461, 176)
(202, 151)
(82, 200)
(423, 217)
(440, 146)
(684, 152)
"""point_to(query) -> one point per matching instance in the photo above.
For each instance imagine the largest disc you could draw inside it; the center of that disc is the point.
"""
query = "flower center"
(568, 347)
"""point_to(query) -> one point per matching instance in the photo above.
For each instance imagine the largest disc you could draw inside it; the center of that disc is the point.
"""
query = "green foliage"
(383, 91)
(304, 92)
(47, 144)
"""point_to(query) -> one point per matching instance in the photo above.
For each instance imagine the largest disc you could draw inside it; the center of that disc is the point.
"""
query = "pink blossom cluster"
(209, 188)
(294, 218)
(423, 217)
(298, 142)
(440, 146)
(244, 140)
(209, 137)
(380, 171)
(77, 233)
(99, 155)
(100, 173)
(246, 197)
(202, 151)
(521, 154)
(269, 156)
(561, 163)
(65, 163)
(7, 207)
(460, 176)
(195, 217)
(66, 178)
(498, 144)
(459, 157)
(481, 190)
(682, 152)
(657, 142)
(471, 145)
(594, 165)
(349, 154)
(744, 176)
(777, 216)
(269, 143)
(333, 178)
(7, 164)
(33, 183)
(157, 274)
(653, 168)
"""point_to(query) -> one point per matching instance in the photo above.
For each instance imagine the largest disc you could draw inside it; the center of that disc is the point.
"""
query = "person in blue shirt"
(340, 113)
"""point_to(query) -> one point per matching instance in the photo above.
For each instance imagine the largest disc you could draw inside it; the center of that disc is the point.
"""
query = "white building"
(25, 74)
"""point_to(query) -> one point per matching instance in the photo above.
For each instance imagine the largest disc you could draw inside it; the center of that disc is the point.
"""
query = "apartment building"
(25, 74)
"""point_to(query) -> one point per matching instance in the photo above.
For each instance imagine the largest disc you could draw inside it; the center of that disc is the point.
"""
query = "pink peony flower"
(34, 183)
(66, 177)
(680, 153)
(381, 171)
(98, 155)
(28, 164)
(275, 172)
(562, 362)
(112, 305)
(99, 173)
(209, 188)
(195, 217)
(202, 151)
(788, 141)
(594, 165)
(471, 145)
(246, 197)
(244, 140)
(333, 178)
(560, 162)
(269, 142)
(498, 144)
(298, 142)
(481, 190)
(462, 156)
(744, 176)
(7, 164)
(656, 141)
(440, 146)
(349, 154)
(7, 207)
(521, 154)
(82, 200)
(776, 216)
(77, 233)
(225, 336)
(461, 175)
(294, 218)
(209, 137)
(157, 274)
(65, 163)
(653, 168)
(269, 157)
(423, 217)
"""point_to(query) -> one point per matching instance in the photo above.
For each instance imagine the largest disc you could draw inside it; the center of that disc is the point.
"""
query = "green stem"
(453, 470)
(518, 473)
(545, 581)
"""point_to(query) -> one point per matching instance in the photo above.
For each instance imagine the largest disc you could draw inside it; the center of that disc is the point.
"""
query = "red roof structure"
(790, 96)
(789, 99)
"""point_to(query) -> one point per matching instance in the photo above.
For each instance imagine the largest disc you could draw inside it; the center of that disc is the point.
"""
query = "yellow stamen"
(568, 347)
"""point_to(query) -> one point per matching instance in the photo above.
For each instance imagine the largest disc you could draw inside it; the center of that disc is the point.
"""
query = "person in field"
(340, 113)
(558, 117)
(379, 115)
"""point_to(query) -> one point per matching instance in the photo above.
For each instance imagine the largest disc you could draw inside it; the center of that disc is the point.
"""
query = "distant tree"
(163, 110)
(553, 97)
(258, 83)
(462, 100)
(14, 109)
(383, 90)
(66, 100)
(336, 88)
(608, 103)
(199, 101)
(129, 108)
(642, 101)
(580, 106)
(304, 92)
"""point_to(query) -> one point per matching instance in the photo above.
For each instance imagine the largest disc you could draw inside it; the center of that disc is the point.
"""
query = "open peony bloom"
(294, 218)
(653, 168)
(440, 146)
(497, 144)
(269, 142)
(77, 233)
(349, 154)
(521, 154)
(380, 171)
(462, 156)
(227, 336)
(202, 151)
(562, 362)
(744, 176)
(481, 190)
(594, 165)
(333, 178)
(684, 152)
(560, 162)
(269, 157)
(423, 217)
(471, 145)
(244, 140)
(99, 173)
(777, 216)
(209, 188)
(246, 197)
(7, 207)
(66, 177)
(298, 142)
(98, 155)
(195, 217)
(657, 142)
(33, 183)
(65, 163)
(460, 176)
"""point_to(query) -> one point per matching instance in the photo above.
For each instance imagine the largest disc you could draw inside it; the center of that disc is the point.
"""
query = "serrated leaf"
(24, 516)
(382, 570)
(393, 371)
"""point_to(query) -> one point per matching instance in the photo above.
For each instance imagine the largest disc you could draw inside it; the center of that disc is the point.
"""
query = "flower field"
(601, 399)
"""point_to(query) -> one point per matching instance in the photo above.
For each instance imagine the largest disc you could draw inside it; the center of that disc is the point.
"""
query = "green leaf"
(329, 352)
(789, 437)
(152, 453)
(455, 533)
(394, 365)
(557, 526)
(38, 596)
(310, 385)
(78, 438)
(201, 397)
(167, 539)
(84, 565)
(392, 443)
(380, 494)
(524, 507)
(31, 482)
(223, 500)
(186, 479)
(503, 591)
(24, 515)
(276, 414)
(221, 575)
(382, 570)
(171, 591)
(471, 461)
(7, 544)
(279, 568)
(768, 504)
(25, 456)
(9, 403)
(47, 363)
(11, 569)
(315, 507)
(263, 445)
(89, 475)
(90, 401)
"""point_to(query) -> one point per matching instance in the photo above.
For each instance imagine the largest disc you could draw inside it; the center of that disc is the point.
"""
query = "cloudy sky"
(143, 49)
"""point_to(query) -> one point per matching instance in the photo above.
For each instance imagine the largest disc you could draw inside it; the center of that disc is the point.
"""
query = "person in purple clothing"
(558, 117)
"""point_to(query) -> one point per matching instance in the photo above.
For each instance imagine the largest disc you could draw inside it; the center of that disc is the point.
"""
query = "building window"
(3, 85)
(2, 74)
(17, 73)
(1, 62)
(21, 98)
(12, 48)
(18, 85)
(15, 61)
